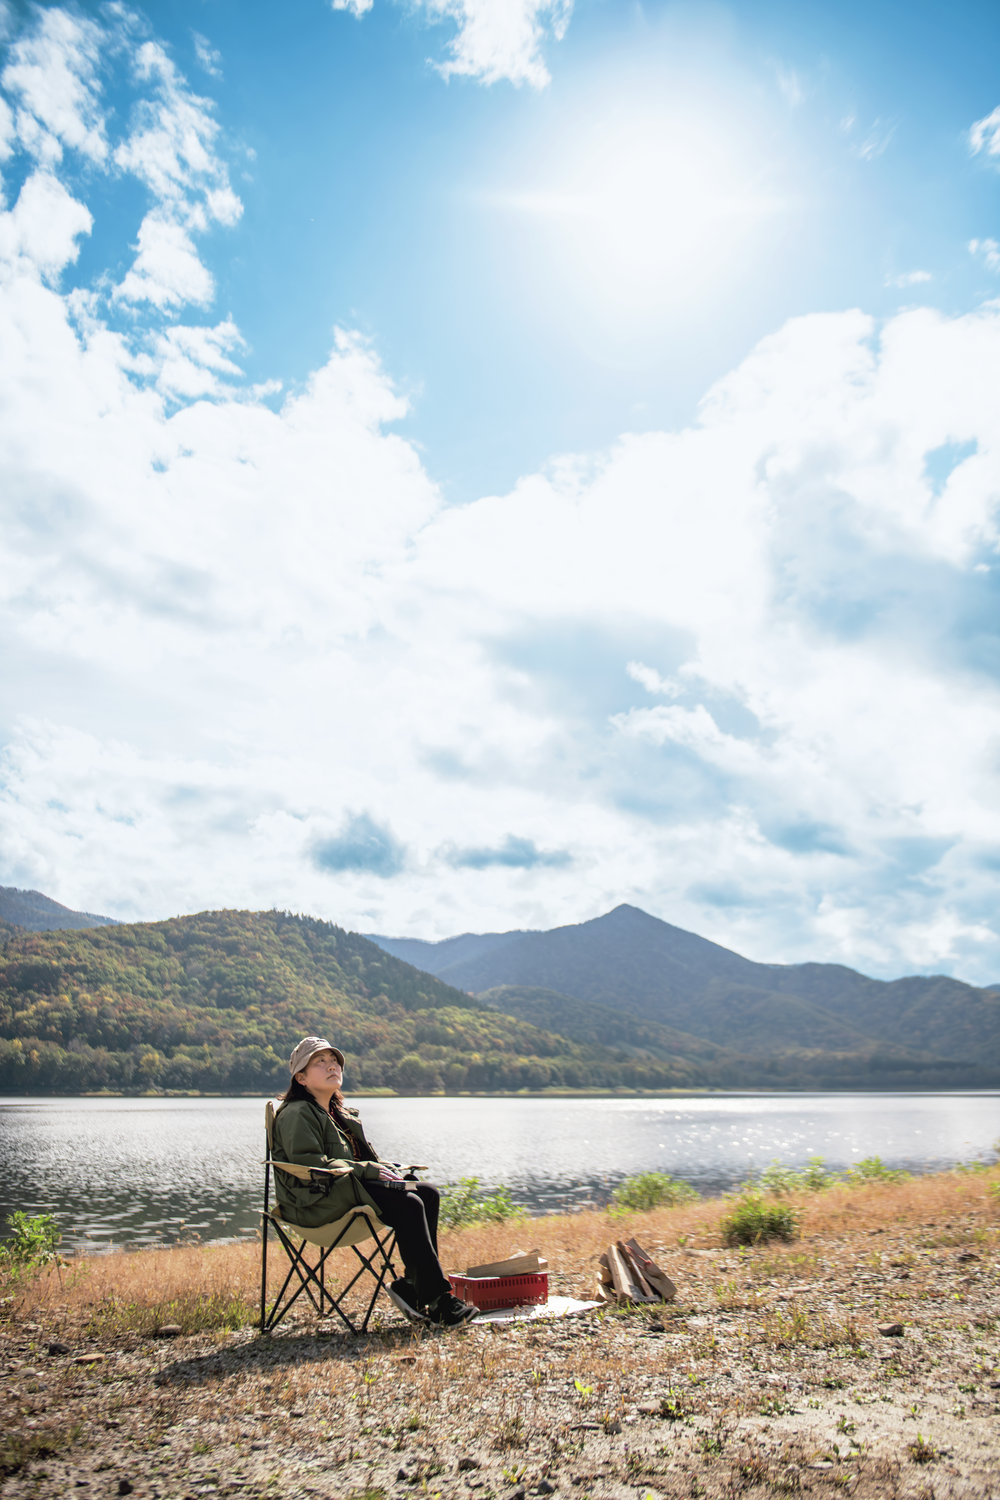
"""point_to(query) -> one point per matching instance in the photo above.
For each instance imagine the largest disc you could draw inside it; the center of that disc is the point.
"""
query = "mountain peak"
(39, 913)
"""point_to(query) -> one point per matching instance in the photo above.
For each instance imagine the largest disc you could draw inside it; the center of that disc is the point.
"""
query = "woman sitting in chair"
(314, 1128)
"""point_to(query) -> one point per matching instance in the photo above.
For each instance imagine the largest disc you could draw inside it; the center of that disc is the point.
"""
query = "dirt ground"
(768, 1375)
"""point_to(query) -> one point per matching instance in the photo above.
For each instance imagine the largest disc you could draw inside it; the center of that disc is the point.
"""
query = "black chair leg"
(312, 1279)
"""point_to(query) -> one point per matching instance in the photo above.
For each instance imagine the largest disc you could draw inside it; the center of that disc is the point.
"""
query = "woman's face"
(322, 1073)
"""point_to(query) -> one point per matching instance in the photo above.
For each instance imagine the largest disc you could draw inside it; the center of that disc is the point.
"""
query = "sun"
(637, 215)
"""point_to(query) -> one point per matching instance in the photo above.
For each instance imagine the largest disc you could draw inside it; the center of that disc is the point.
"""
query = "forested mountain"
(37, 913)
(215, 1002)
(629, 962)
(582, 1021)
(434, 958)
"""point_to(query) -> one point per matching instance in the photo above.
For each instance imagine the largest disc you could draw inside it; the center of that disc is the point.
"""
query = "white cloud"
(743, 674)
(985, 135)
(7, 129)
(501, 39)
(207, 56)
(172, 149)
(909, 278)
(192, 359)
(875, 140)
(651, 680)
(54, 102)
(52, 75)
(286, 632)
(167, 271)
(40, 232)
(496, 39)
(988, 251)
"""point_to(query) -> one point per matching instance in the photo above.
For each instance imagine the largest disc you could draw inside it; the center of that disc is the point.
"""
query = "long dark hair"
(297, 1090)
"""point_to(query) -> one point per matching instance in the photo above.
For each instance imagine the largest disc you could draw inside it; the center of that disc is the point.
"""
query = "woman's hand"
(386, 1174)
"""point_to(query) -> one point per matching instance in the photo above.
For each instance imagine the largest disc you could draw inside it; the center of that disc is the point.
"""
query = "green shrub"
(650, 1190)
(873, 1169)
(812, 1178)
(753, 1221)
(462, 1204)
(33, 1243)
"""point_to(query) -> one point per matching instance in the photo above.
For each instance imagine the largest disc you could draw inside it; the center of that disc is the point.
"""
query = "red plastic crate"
(490, 1293)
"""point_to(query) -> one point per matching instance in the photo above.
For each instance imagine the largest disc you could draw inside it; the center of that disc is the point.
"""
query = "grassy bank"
(201, 1287)
(769, 1375)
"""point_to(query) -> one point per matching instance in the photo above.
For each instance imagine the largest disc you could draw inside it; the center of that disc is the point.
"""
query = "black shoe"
(403, 1294)
(448, 1311)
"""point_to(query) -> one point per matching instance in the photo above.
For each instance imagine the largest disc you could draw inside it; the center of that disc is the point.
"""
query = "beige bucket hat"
(307, 1048)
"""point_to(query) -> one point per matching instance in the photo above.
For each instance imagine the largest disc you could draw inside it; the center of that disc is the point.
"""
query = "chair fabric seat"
(360, 1224)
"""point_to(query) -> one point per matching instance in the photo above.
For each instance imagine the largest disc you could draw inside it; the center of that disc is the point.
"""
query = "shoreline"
(767, 1375)
(521, 1094)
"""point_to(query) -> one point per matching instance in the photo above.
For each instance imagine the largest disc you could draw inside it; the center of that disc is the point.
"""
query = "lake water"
(142, 1171)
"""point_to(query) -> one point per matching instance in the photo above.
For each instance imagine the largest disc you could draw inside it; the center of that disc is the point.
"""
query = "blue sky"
(385, 199)
(468, 463)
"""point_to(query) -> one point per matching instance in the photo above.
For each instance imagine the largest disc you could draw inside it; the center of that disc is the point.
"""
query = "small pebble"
(890, 1330)
(125, 1486)
(89, 1359)
(465, 1464)
(57, 1347)
(168, 1331)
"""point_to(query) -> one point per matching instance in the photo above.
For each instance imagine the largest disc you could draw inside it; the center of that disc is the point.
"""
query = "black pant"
(413, 1213)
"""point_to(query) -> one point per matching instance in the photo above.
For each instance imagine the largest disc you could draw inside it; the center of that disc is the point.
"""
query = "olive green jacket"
(307, 1134)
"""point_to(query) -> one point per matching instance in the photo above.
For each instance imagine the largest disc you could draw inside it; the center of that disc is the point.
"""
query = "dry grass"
(572, 1243)
(196, 1287)
(217, 1286)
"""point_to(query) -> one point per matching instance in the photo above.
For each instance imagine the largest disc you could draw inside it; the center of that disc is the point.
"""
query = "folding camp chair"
(361, 1223)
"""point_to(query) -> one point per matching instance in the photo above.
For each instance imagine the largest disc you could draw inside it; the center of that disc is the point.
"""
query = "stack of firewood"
(628, 1274)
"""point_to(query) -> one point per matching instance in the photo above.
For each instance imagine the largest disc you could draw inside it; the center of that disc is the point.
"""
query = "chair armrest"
(305, 1174)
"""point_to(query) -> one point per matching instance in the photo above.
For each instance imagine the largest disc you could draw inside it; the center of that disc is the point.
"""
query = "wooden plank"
(524, 1263)
(639, 1281)
(621, 1275)
(651, 1272)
